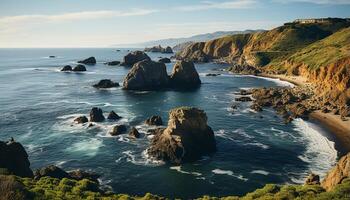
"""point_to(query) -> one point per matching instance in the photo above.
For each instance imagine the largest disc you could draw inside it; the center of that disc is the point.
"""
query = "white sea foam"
(229, 173)
(258, 144)
(178, 168)
(223, 134)
(320, 152)
(278, 81)
(141, 159)
(88, 147)
(262, 172)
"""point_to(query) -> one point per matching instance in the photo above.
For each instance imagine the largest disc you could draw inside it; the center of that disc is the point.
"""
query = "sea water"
(38, 104)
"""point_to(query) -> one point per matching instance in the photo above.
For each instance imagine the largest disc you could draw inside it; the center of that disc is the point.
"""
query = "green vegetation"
(326, 51)
(52, 188)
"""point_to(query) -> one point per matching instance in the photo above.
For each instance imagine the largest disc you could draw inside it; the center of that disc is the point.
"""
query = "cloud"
(86, 15)
(322, 2)
(206, 5)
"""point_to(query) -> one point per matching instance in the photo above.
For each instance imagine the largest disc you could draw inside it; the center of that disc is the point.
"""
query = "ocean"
(38, 104)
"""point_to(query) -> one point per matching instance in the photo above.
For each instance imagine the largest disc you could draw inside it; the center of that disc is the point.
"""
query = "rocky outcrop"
(88, 61)
(112, 63)
(118, 130)
(113, 116)
(131, 58)
(146, 75)
(340, 172)
(159, 49)
(184, 75)
(66, 68)
(106, 83)
(134, 133)
(81, 120)
(244, 69)
(51, 171)
(312, 179)
(154, 121)
(12, 189)
(80, 175)
(186, 138)
(96, 115)
(164, 60)
(79, 68)
(14, 159)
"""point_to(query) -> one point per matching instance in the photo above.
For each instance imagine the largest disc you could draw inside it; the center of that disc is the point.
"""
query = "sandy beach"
(339, 128)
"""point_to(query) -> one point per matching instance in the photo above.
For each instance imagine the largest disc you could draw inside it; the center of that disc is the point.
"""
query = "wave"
(320, 152)
(278, 81)
(262, 172)
(142, 159)
(178, 169)
(88, 147)
(229, 173)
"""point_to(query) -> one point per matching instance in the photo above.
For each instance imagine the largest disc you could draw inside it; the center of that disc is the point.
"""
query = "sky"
(103, 23)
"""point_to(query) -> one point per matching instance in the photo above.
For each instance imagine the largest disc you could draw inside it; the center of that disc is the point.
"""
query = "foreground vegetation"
(13, 187)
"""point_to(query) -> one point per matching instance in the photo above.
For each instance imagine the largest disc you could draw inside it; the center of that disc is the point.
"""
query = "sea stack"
(131, 58)
(146, 75)
(184, 76)
(186, 138)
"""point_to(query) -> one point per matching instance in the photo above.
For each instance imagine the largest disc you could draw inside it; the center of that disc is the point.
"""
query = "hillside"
(261, 48)
(181, 41)
(318, 51)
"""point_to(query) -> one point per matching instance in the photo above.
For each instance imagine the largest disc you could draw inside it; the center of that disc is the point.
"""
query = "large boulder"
(164, 60)
(106, 83)
(146, 75)
(184, 75)
(80, 175)
(167, 50)
(14, 158)
(96, 115)
(81, 120)
(340, 172)
(186, 138)
(113, 116)
(134, 133)
(131, 58)
(88, 61)
(66, 68)
(79, 68)
(118, 130)
(154, 121)
(51, 171)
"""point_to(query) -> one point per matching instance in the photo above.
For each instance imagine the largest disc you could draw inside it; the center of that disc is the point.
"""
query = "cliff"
(318, 51)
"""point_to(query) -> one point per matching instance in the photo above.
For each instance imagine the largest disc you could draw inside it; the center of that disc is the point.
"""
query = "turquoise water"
(38, 104)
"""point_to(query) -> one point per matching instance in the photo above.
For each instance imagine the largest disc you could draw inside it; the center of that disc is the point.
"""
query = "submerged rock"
(186, 138)
(106, 83)
(134, 133)
(146, 75)
(113, 116)
(79, 68)
(118, 130)
(131, 58)
(154, 121)
(164, 60)
(112, 63)
(66, 68)
(14, 158)
(81, 120)
(96, 115)
(184, 75)
(336, 175)
(88, 61)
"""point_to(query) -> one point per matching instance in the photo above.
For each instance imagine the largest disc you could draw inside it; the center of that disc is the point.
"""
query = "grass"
(52, 188)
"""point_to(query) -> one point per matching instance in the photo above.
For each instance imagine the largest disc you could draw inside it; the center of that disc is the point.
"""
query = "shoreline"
(332, 123)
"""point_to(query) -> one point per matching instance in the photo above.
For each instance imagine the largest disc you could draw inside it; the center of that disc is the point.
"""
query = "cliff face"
(340, 172)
